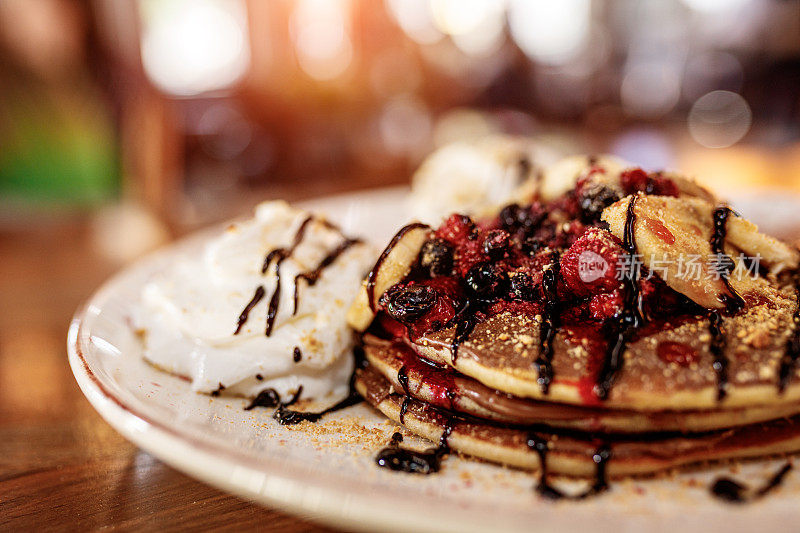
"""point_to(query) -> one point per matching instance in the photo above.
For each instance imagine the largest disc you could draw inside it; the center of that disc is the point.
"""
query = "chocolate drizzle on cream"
(288, 417)
(277, 256)
(312, 276)
(623, 328)
(549, 326)
(259, 294)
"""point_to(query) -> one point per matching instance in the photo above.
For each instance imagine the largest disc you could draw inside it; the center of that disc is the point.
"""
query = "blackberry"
(513, 218)
(593, 199)
(409, 304)
(436, 257)
(495, 244)
(485, 282)
(532, 245)
(522, 287)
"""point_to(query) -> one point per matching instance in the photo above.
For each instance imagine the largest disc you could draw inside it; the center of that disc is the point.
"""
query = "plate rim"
(267, 481)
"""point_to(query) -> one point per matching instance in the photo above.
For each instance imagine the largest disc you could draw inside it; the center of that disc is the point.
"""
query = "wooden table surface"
(61, 466)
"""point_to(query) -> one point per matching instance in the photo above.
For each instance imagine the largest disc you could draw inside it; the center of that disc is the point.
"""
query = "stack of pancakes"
(656, 417)
(484, 397)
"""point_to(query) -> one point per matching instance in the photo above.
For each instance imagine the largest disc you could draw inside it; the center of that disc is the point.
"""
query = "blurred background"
(124, 124)
(169, 114)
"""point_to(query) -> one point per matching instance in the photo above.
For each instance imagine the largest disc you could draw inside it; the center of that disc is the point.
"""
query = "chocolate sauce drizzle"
(271, 398)
(736, 492)
(425, 462)
(465, 322)
(311, 277)
(259, 294)
(404, 409)
(792, 353)
(733, 300)
(631, 318)
(290, 417)
(600, 457)
(549, 326)
(279, 255)
(717, 348)
(402, 378)
(373, 274)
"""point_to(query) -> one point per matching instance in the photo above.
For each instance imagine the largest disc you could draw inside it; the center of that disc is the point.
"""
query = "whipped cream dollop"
(190, 313)
(477, 177)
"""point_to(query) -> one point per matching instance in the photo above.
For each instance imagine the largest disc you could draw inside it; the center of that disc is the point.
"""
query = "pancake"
(573, 454)
(500, 353)
(446, 388)
(543, 335)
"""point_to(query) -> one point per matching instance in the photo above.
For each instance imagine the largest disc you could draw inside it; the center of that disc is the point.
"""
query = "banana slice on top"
(392, 266)
(673, 238)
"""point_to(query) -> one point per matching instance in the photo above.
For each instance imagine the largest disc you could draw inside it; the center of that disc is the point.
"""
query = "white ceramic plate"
(326, 472)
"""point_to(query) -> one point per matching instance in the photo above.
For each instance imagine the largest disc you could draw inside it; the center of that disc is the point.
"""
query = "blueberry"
(408, 304)
(495, 244)
(485, 282)
(436, 257)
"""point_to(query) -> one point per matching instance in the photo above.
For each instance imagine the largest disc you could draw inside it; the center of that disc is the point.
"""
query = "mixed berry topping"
(487, 267)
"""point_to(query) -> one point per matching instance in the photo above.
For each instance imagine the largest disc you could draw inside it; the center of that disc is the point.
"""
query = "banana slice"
(392, 266)
(777, 255)
(562, 176)
(673, 238)
(689, 187)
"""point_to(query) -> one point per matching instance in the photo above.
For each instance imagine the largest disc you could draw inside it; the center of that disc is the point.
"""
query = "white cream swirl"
(189, 313)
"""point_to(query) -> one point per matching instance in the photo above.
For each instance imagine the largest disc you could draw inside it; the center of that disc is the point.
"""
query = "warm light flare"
(321, 33)
(194, 46)
(550, 32)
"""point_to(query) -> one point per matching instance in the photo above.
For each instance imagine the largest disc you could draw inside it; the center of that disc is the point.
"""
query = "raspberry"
(469, 254)
(456, 230)
(637, 180)
(607, 305)
(495, 244)
(589, 266)
(433, 320)
(514, 307)
(391, 326)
